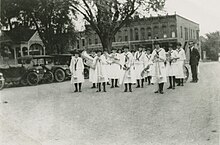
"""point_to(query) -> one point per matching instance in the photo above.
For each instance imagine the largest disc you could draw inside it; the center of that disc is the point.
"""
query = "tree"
(51, 18)
(211, 44)
(106, 17)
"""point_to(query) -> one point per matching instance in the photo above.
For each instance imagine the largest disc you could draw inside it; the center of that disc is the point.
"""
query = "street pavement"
(52, 114)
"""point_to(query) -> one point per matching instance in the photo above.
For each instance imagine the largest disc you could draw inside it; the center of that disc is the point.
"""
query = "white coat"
(158, 68)
(147, 62)
(139, 59)
(76, 69)
(128, 76)
(114, 68)
(172, 66)
(100, 74)
(180, 63)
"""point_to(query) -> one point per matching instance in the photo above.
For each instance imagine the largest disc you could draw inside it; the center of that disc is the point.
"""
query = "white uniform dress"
(180, 63)
(139, 64)
(158, 68)
(128, 75)
(114, 68)
(121, 60)
(147, 61)
(77, 68)
(172, 67)
(100, 73)
(91, 74)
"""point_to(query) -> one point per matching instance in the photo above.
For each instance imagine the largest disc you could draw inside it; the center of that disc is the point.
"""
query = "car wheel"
(24, 81)
(2, 83)
(59, 75)
(186, 73)
(86, 73)
(49, 77)
(32, 79)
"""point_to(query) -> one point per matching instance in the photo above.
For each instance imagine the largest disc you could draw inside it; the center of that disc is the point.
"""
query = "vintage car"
(20, 75)
(37, 62)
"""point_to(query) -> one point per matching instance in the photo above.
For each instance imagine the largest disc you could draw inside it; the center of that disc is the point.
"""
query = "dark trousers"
(194, 72)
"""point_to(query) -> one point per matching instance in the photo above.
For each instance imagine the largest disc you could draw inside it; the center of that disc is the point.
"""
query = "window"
(119, 36)
(90, 41)
(77, 44)
(83, 42)
(181, 32)
(186, 34)
(142, 34)
(164, 31)
(156, 32)
(96, 41)
(126, 35)
(149, 36)
(131, 34)
(136, 34)
(173, 31)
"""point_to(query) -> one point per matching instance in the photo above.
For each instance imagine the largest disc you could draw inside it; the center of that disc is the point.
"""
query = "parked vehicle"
(38, 62)
(20, 75)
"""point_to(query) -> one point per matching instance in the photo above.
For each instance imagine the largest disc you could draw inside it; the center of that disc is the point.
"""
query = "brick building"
(143, 31)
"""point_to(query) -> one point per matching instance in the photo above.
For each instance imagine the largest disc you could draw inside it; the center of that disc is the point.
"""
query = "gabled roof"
(20, 34)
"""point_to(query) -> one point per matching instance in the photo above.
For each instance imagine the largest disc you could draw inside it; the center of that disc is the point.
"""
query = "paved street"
(51, 114)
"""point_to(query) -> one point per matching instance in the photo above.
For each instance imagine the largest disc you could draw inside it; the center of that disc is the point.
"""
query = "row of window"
(189, 33)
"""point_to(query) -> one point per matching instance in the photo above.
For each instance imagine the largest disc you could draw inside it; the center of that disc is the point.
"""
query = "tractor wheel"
(32, 79)
(59, 75)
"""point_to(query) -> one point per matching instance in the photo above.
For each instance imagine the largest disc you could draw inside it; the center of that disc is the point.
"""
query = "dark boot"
(145, 79)
(130, 90)
(178, 82)
(80, 85)
(112, 80)
(182, 82)
(76, 87)
(93, 85)
(116, 83)
(99, 87)
(104, 89)
(161, 88)
(170, 80)
(174, 82)
(138, 84)
(149, 80)
(126, 88)
(142, 83)
(158, 89)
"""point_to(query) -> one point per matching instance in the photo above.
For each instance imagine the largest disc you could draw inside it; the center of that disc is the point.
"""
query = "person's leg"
(170, 80)
(161, 88)
(142, 83)
(196, 73)
(116, 83)
(99, 87)
(93, 85)
(193, 70)
(138, 83)
(112, 80)
(158, 89)
(182, 82)
(126, 87)
(104, 89)
(174, 82)
(149, 80)
(80, 85)
(76, 87)
(130, 87)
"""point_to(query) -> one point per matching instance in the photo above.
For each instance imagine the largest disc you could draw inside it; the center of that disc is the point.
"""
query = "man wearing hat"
(77, 69)
(158, 58)
(139, 66)
(100, 74)
(128, 77)
(194, 61)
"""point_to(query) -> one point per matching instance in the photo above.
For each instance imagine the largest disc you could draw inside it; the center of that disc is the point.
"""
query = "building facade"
(167, 30)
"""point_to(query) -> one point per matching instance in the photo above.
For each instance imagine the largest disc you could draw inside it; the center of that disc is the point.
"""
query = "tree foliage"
(211, 44)
(106, 17)
(51, 18)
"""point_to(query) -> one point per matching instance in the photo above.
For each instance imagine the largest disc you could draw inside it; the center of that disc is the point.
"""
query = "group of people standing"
(132, 67)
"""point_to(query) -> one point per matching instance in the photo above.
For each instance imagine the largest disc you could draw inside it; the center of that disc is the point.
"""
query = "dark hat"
(99, 50)
(148, 49)
(125, 47)
(74, 51)
(156, 43)
(170, 45)
(178, 44)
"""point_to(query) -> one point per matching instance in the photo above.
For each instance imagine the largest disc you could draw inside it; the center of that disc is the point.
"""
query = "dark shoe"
(80, 91)
(130, 90)
(76, 91)
(138, 86)
(156, 92)
(178, 85)
(161, 92)
(125, 90)
(169, 87)
(192, 81)
(116, 86)
(98, 91)
(104, 90)
(173, 88)
(112, 87)
(108, 83)
(93, 87)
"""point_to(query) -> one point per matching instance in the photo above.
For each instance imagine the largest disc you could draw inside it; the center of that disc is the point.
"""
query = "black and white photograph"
(109, 72)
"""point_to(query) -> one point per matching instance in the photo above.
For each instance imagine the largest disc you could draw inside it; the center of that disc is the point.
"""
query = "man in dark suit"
(194, 61)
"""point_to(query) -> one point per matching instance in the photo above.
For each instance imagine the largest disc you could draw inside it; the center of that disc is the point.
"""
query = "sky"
(204, 12)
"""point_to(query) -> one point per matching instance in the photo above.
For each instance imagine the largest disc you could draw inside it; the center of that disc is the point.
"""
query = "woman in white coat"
(100, 74)
(148, 73)
(180, 63)
(77, 69)
(158, 58)
(172, 66)
(128, 77)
